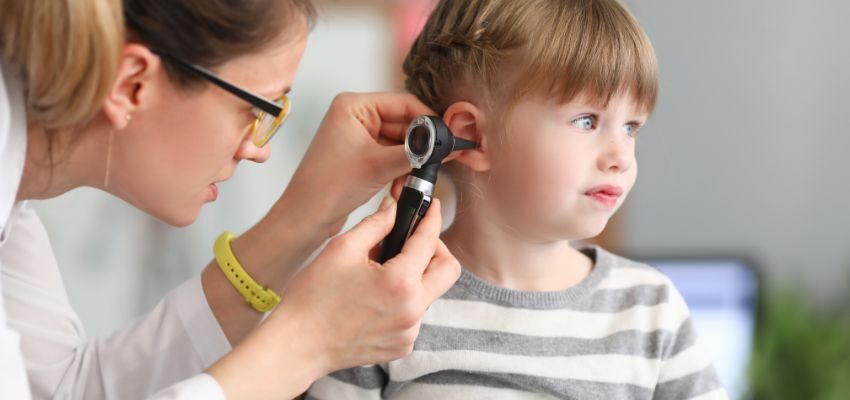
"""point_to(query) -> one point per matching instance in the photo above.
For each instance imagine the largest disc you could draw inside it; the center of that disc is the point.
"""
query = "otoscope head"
(428, 142)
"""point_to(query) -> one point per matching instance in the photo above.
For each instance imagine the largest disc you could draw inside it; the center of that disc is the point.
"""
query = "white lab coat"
(44, 353)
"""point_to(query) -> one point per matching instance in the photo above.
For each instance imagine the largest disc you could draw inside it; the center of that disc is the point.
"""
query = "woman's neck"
(62, 160)
(504, 257)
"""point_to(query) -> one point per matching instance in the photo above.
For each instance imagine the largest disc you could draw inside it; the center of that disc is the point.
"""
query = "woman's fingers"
(392, 133)
(386, 203)
(369, 232)
(421, 245)
(442, 273)
(397, 186)
(359, 313)
(390, 163)
(373, 110)
(398, 107)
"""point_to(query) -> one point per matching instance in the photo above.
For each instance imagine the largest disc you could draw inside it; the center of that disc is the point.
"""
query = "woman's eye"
(585, 122)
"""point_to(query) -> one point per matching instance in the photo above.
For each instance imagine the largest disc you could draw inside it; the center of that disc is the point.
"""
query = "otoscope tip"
(463, 144)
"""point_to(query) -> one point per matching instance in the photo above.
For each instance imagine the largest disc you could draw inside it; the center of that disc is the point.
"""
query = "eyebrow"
(278, 93)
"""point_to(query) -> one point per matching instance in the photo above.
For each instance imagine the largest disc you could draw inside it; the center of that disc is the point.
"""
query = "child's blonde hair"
(510, 49)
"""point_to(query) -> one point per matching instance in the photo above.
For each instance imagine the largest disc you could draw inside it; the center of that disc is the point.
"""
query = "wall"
(746, 153)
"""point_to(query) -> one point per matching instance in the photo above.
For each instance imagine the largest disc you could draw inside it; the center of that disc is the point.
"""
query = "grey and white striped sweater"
(622, 333)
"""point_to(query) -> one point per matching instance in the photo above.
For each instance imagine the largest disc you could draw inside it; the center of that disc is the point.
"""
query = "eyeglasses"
(270, 115)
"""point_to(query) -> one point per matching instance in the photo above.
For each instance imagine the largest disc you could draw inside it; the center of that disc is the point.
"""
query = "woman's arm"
(178, 339)
(271, 252)
(354, 154)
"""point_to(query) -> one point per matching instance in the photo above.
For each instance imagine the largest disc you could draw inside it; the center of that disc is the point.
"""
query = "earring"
(128, 117)
(106, 174)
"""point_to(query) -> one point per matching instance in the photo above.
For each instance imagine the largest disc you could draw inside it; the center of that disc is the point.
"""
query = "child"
(555, 91)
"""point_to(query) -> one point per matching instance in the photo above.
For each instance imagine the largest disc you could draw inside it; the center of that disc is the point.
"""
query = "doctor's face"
(174, 151)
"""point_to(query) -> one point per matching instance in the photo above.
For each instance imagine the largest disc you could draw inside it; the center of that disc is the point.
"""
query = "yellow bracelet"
(259, 297)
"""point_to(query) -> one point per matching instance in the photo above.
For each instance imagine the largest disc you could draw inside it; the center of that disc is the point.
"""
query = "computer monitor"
(722, 294)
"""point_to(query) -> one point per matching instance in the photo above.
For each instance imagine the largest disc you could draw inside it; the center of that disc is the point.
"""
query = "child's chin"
(585, 231)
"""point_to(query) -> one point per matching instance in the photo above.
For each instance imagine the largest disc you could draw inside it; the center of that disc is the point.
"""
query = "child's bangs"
(595, 52)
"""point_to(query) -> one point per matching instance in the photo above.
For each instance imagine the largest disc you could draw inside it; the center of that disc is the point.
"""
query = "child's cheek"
(559, 184)
(537, 184)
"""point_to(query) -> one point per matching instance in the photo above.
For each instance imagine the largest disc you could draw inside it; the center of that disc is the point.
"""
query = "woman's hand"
(355, 153)
(343, 310)
(362, 312)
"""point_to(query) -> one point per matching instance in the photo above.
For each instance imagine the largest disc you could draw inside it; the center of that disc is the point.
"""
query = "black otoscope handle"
(412, 205)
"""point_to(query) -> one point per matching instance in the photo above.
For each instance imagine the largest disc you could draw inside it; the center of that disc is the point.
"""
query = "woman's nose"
(249, 151)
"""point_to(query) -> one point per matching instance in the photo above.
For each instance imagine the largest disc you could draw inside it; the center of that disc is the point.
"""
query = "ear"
(465, 120)
(135, 77)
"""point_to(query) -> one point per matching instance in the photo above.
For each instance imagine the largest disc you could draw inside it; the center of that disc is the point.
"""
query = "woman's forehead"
(270, 72)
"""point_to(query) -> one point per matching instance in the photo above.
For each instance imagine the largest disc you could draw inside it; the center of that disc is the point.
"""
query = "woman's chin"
(183, 222)
(177, 216)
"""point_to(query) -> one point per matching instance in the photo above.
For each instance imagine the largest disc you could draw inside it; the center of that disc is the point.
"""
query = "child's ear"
(465, 120)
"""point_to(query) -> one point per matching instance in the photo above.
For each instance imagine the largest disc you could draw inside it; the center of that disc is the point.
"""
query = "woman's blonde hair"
(510, 49)
(67, 53)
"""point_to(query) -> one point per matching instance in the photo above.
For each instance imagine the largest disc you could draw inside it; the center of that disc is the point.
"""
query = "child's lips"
(607, 195)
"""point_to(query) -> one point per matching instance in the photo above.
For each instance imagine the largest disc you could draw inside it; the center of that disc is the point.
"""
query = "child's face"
(562, 170)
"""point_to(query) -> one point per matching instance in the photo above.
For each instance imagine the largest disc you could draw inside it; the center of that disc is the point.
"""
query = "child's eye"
(585, 122)
(631, 128)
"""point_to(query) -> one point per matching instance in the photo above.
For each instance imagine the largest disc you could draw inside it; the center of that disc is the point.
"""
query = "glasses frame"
(280, 112)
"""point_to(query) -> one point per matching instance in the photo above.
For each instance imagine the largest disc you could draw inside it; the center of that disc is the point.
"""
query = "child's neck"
(504, 258)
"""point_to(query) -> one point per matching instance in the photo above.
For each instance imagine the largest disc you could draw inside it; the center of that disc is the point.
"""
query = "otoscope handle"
(412, 205)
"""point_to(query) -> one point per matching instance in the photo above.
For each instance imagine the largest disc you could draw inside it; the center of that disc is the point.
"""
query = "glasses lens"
(268, 125)
(419, 141)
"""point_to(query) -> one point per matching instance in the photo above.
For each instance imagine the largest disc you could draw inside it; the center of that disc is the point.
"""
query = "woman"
(155, 102)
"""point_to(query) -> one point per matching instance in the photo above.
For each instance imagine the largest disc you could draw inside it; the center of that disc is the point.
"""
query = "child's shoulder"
(641, 282)
(623, 272)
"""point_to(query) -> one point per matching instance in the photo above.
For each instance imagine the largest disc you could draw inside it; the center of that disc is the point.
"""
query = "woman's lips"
(213, 192)
(213, 187)
(607, 195)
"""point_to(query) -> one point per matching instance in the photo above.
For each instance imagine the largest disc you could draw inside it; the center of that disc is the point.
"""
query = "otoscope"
(427, 142)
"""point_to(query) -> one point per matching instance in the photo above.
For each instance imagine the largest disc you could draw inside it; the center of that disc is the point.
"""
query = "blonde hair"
(67, 53)
(511, 49)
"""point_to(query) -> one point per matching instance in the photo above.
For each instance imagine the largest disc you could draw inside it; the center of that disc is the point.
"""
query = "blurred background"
(741, 196)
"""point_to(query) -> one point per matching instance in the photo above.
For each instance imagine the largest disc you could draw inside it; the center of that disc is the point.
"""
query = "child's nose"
(615, 157)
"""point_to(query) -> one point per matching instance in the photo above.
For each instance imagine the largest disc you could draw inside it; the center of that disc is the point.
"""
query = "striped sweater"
(624, 332)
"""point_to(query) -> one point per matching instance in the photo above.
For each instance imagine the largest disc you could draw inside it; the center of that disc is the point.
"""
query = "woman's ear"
(465, 120)
(135, 76)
